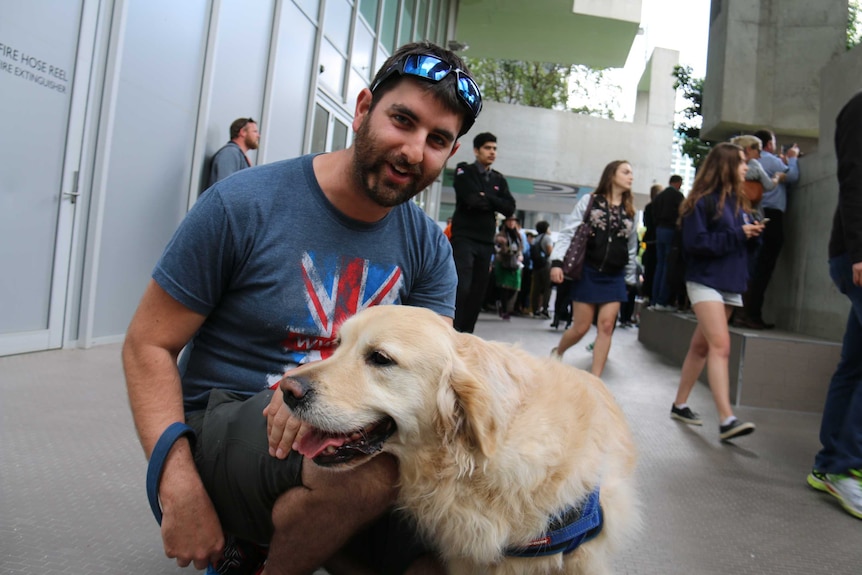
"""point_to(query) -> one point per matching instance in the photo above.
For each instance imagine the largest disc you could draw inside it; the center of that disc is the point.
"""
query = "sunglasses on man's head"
(434, 69)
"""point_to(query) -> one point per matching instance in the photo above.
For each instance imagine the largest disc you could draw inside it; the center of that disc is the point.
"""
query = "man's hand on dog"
(281, 426)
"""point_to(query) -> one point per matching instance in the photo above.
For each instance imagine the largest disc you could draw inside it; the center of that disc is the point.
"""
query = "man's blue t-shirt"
(276, 268)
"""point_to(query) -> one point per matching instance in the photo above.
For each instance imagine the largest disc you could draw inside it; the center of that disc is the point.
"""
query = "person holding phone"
(774, 204)
(717, 233)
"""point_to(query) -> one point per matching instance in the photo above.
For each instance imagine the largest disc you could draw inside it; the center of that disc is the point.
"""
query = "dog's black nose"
(295, 391)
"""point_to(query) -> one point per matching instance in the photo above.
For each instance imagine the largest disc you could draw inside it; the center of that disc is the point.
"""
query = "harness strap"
(157, 462)
(579, 525)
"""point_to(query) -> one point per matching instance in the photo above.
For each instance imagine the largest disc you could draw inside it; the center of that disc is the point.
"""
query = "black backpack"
(537, 255)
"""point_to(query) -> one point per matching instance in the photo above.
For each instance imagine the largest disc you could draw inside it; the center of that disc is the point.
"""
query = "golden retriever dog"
(493, 442)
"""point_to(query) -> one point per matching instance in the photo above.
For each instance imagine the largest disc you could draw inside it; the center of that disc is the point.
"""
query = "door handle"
(73, 195)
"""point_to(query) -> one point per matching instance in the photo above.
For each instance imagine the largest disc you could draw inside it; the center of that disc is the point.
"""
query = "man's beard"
(369, 165)
(250, 143)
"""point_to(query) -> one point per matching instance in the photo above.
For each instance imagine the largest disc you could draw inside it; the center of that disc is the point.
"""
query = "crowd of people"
(214, 331)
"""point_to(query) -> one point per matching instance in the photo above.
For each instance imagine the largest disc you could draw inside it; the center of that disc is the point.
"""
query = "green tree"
(688, 129)
(854, 27)
(534, 84)
(542, 85)
(593, 93)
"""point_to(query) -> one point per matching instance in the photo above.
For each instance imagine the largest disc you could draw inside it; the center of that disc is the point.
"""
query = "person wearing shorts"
(717, 232)
(609, 262)
(257, 279)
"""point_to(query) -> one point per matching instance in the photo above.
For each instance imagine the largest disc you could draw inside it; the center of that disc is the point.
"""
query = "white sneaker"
(556, 355)
(848, 490)
(659, 307)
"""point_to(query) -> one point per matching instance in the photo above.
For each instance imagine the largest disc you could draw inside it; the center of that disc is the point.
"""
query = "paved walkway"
(72, 473)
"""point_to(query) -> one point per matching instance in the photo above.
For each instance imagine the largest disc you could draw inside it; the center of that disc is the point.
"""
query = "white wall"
(569, 148)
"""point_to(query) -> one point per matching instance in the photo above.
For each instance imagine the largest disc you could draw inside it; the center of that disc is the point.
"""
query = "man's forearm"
(155, 392)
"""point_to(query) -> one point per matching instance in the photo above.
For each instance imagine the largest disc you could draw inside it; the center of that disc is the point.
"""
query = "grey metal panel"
(151, 146)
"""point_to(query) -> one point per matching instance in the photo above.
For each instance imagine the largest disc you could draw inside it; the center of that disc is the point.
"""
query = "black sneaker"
(686, 415)
(735, 429)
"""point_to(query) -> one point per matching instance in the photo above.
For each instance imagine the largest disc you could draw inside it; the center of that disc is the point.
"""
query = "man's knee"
(362, 493)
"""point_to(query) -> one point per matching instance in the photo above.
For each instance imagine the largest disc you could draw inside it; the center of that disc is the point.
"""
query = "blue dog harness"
(157, 462)
(567, 531)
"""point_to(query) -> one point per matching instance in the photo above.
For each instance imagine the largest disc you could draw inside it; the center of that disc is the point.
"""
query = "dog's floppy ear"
(468, 410)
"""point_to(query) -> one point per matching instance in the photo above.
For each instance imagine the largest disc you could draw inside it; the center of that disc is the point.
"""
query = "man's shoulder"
(269, 180)
(464, 167)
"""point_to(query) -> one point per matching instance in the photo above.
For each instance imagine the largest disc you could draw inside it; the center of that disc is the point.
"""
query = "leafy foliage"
(688, 129)
(587, 83)
(540, 84)
(854, 27)
(526, 83)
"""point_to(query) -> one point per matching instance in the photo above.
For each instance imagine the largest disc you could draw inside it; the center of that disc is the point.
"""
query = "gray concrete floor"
(72, 472)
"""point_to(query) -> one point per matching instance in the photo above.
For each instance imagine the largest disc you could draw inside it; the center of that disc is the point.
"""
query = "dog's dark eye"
(379, 359)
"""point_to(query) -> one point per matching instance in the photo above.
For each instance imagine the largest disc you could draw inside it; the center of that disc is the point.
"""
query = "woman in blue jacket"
(717, 232)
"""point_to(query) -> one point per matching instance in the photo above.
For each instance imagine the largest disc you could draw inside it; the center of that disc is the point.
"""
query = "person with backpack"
(540, 288)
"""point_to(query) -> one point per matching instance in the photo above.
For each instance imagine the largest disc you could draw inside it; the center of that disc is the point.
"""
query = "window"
(368, 9)
(332, 65)
(336, 26)
(319, 129)
(405, 34)
(421, 20)
(387, 27)
(330, 131)
(432, 21)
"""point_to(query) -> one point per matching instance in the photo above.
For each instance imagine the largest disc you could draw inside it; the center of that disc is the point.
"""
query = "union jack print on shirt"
(335, 290)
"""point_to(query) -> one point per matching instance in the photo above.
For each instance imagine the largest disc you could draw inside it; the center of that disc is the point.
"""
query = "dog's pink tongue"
(315, 442)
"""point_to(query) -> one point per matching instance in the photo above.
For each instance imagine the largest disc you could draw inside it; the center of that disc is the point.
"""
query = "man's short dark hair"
(765, 136)
(446, 90)
(482, 139)
(542, 227)
(237, 126)
(675, 179)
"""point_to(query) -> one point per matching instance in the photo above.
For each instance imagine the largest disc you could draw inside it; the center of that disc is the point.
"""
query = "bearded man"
(257, 279)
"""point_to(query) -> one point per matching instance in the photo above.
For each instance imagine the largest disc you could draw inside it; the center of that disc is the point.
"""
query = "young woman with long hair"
(717, 232)
(609, 265)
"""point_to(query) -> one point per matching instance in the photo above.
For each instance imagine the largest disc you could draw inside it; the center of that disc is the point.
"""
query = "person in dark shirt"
(665, 212)
(480, 193)
(648, 256)
(717, 233)
(838, 465)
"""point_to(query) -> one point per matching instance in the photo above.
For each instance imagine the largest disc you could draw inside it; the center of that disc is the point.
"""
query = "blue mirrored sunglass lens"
(427, 67)
(470, 93)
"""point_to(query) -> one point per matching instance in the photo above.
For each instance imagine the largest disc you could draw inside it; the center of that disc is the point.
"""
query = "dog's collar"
(567, 531)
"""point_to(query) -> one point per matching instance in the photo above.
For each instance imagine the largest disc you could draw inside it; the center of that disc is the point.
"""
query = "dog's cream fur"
(492, 441)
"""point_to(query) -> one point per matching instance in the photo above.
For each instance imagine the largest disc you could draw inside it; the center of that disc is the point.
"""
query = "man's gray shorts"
(232, 457)
(244, 481)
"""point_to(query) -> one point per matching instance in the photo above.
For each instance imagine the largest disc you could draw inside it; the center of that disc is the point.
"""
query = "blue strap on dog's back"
(157, 462)
(585, 524)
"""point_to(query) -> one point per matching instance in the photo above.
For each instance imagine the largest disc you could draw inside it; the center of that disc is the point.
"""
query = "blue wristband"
(157, 462)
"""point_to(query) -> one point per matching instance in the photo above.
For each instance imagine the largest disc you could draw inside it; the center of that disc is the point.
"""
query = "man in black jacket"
(480, 192)
(665, 212)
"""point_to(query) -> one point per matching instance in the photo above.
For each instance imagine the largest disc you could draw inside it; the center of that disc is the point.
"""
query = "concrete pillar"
(764, 62)
(656, 97)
